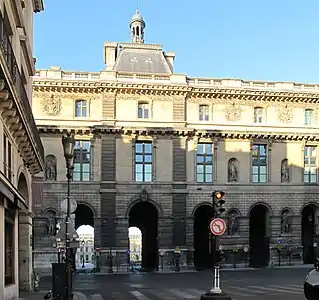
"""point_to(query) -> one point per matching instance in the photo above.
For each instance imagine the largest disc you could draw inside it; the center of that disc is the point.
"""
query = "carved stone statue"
(144, 195)
(51, 223)
(285, 222)
(233, 223)
(284, 171)
(233, 170)
(50, 168)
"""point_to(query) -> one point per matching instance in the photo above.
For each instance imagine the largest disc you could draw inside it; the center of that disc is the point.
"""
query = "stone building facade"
(154, 144)
(21, 150)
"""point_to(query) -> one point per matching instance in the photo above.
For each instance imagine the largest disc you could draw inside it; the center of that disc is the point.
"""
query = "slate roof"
(139, 60)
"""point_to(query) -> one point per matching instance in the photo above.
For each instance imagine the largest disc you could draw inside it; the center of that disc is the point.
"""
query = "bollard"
(110, 261)
(177, 254)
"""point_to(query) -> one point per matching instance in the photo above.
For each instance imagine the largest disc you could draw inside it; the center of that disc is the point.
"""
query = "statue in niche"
(144, 195)
(233, 223)
(285, 222)
(51, 225)
(50, 168)
(233, 170)
(284, 171)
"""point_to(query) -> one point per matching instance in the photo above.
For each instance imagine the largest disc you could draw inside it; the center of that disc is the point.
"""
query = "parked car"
(311, 285)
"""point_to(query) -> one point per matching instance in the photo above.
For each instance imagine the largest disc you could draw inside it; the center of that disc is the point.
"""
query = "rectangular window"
(9, 246)
(203, 112)
(310, 164)
(258, 115)
(143, 111)
(259, 163)
(143, 161)
(308, 117)
(204, 163)
(86, 258)
(81, 108)
(7, 158)
(82, 161)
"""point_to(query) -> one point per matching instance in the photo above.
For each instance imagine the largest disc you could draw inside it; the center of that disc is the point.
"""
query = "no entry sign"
(217, 226)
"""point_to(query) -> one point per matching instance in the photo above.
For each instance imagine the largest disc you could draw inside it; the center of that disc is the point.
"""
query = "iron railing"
(17, 80)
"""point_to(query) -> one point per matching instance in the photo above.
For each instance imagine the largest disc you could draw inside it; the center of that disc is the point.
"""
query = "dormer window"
(203, 113)
(258, 115)
(143, 110)
(308, 117)
(81, 109)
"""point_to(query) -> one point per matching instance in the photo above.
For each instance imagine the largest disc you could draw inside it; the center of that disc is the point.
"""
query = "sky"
(274, 40)
(86, 229)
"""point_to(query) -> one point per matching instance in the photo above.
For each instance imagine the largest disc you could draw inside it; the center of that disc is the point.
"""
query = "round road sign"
(217, 226)
(73, 205)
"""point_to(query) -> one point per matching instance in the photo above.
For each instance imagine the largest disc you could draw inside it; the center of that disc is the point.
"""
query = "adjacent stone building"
(21, 150)
(153, 144)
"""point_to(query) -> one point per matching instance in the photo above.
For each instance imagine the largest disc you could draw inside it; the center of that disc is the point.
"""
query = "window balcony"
(31, 145)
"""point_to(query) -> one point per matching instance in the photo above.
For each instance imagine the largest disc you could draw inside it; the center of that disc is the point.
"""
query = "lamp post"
(68, 143)
(83, 243)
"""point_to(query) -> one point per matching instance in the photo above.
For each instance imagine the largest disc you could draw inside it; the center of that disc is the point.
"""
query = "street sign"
(279, 241)
(217, 226)
(221, 247)
(161, 252)
(246, 249)
(128, 251)
(73, 205)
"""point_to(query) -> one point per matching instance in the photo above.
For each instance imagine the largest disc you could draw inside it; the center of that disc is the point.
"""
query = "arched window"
(81, 109)
(258, 115)
(143, 110)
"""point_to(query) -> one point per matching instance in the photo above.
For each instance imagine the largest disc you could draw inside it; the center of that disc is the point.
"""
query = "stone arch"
(135, 201)
(88, 205)
(233, 170)
(311, 203)
(199, 205)
(23, 187)
(270, 210)
(50, 168)
(84, 215)
(287, 209)
(48, 210)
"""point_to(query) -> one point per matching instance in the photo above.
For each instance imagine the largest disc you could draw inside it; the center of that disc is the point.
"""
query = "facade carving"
(233, 112)
(52, 105)
(285, 114)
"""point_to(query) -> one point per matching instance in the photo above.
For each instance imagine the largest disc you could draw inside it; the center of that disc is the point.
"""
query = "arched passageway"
(308, 231)
(203, 240)
(83, 216)
(258, 235)
(144, 215)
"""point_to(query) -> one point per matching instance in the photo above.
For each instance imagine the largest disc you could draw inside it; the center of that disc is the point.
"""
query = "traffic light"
(219, 202)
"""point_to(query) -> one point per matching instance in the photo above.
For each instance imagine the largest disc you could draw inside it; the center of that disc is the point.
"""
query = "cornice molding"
(195, 94)
(180, 132)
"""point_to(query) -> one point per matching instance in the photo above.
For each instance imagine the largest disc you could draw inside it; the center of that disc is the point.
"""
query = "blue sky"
(257, 40)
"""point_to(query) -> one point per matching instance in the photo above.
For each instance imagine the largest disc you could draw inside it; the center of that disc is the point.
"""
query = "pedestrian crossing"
(236, 292)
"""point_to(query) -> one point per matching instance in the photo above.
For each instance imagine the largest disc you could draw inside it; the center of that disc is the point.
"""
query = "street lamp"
(68, 143)
(83, 243)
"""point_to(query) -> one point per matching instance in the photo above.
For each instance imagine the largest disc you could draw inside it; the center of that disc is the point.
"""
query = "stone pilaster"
(108, 105)
(108, 191)
(25, 251)
(179, 110)
(164, 233)
(122, 226)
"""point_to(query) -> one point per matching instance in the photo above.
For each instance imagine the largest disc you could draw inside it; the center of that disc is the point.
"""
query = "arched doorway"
(24, 234)
(84, 225)
(203, 243)
(23, 187)
(258, 235)
(308, 231)
(144, 215)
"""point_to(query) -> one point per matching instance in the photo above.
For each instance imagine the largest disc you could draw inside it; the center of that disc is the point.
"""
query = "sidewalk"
(32, 295)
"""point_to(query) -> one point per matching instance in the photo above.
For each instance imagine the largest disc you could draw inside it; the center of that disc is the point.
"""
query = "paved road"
(279, 284)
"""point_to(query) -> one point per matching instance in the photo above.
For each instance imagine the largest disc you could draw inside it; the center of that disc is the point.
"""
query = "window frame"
(308, 122)
(81, 162)
(259, 165)
(143, 163)
(204, 163)
(7, 157)
(310, 165)
(143, 106)
(81, 107)
(203, 112)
